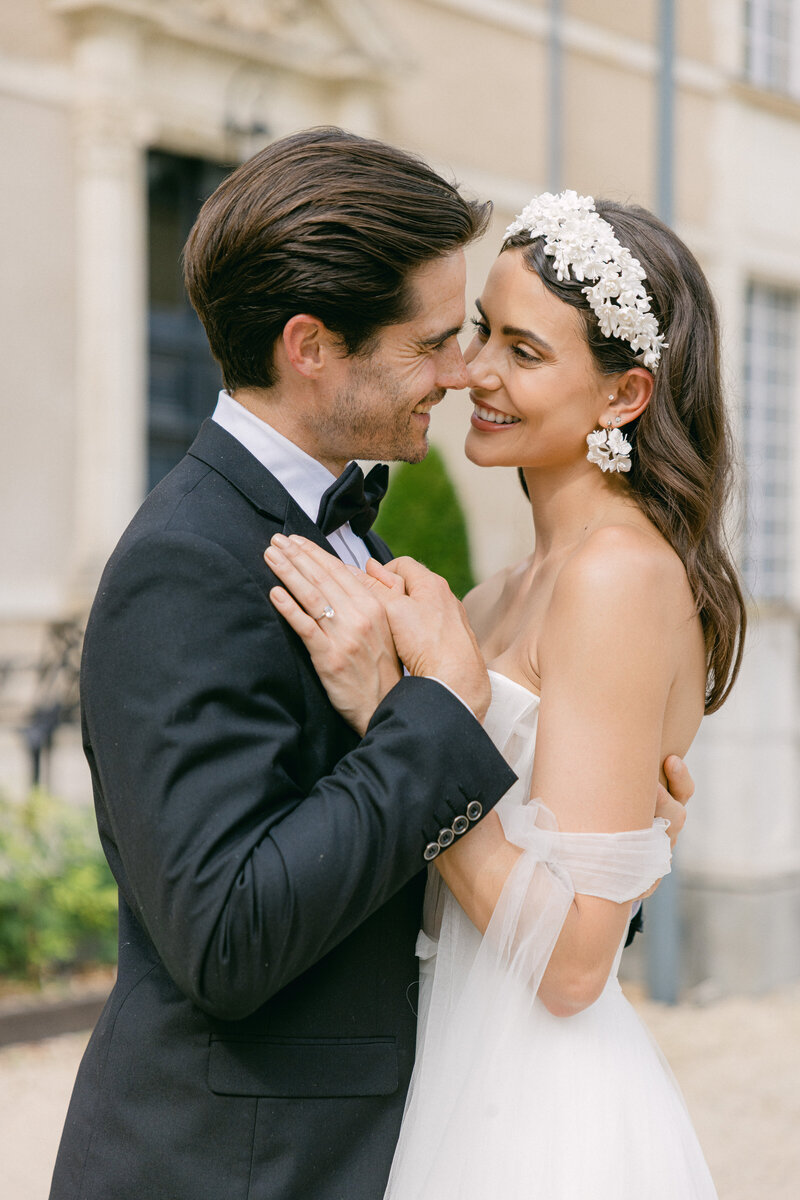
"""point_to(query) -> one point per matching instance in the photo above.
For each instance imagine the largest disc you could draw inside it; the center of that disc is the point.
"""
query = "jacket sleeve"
(195, 714)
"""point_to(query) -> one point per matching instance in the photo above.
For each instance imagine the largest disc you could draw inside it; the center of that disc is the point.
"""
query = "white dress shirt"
(305, 479)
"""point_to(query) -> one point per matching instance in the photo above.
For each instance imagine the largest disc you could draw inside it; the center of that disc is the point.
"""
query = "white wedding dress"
(508, 1102)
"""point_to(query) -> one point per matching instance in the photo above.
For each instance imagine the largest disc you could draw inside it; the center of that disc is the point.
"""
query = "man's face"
(379, 405)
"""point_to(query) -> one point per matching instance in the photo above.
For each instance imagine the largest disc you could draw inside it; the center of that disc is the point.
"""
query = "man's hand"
(672, 804)
(431, 632)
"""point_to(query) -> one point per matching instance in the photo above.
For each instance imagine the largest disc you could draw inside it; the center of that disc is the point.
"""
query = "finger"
(376, 587)
(331, 578)
(305, 592)
(358, 614)
(303, 625)
(323, 557)
(679, 780)
(389, 578)
(329, 573)
(673, 811)
(315, 563)
(413, 573)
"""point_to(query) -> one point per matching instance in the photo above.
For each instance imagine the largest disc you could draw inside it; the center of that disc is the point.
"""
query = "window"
(183, 377)
(770, 376)
(771, 50)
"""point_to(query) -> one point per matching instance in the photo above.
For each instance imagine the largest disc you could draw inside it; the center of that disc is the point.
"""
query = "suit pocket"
(303, 1067)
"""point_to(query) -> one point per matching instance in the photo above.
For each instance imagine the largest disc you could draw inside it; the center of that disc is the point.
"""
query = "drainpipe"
(554, 98)
(662, 916)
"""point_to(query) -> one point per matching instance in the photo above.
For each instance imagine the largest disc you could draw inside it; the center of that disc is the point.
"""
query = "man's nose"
(452, 371)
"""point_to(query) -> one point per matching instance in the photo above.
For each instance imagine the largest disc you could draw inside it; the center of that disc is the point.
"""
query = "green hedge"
(421, 516)
(58, 898)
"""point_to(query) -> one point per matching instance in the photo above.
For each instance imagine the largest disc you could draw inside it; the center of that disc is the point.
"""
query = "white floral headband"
(577, 238)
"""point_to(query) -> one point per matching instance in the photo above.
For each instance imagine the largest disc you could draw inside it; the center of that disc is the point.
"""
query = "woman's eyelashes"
(525, 355)
(521, 353)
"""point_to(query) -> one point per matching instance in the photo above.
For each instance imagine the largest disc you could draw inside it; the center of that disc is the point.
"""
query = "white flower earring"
(609, 448)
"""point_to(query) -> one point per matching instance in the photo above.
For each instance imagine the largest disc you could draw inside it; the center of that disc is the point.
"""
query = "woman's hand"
(398, 609)
(336, 612)
(431, 631)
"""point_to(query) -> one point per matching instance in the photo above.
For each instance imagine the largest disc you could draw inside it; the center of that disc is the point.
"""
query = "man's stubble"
(371, 418)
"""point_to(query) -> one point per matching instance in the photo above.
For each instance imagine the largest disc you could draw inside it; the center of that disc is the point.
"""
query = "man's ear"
(629, 397)
(307, 343)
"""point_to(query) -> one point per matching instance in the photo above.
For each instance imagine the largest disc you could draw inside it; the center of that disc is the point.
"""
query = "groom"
(259, 1040)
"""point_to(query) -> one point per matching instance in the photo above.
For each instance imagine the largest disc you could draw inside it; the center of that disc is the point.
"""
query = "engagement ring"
(326, 612)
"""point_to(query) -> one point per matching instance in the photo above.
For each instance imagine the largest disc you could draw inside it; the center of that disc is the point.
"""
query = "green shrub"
(421, 516)
(58, 898)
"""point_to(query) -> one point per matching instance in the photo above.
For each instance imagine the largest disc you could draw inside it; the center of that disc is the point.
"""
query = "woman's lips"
(490, 419)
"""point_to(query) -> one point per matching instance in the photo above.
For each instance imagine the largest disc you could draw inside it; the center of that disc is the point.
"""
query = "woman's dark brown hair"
(681, 466)
(322, 222)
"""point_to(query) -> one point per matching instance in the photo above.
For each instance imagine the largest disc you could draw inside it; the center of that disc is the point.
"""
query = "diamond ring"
(326, 612)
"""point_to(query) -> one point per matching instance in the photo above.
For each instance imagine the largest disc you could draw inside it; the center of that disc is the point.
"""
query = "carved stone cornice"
(336, 40)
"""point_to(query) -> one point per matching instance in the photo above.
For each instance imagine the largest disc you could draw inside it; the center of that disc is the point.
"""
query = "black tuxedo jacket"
(259, 1040)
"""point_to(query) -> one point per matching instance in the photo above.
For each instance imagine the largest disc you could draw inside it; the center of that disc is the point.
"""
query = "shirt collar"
(304, 478)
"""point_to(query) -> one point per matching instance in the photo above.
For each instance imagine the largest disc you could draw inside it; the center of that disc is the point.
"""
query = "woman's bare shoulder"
(624, 586)
(625, 566)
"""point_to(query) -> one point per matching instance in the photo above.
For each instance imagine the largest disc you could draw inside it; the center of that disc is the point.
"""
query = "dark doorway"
(183, 377)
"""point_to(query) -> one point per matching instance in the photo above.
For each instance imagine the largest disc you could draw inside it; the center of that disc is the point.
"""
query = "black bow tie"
(353, 498)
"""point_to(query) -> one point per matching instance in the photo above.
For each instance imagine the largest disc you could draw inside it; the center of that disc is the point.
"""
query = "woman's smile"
(490, 419)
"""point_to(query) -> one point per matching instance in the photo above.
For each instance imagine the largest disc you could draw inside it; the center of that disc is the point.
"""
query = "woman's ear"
(306, 343)
(628, 399)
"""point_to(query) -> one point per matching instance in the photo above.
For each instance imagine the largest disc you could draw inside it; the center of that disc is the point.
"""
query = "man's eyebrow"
(437, 339)
(516, 331)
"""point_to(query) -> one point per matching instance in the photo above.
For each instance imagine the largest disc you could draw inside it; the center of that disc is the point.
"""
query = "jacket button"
(446, 837)
(460, 825)
(474, 810)
(430, 851)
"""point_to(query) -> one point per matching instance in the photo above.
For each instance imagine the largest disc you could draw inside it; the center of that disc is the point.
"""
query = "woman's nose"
(480, 370)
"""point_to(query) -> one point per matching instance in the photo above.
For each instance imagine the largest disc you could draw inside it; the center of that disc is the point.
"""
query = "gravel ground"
(737, 1060)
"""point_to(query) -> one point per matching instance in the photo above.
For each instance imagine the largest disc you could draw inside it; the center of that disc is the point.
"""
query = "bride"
(534, 1077)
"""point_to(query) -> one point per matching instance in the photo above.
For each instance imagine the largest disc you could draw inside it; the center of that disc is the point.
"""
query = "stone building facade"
(116, 116)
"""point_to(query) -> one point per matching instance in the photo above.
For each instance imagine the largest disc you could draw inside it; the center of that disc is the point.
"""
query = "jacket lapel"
(378, 548)
(220, 450)
(299, 522)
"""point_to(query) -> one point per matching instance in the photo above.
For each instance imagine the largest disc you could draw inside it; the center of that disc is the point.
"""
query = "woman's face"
(534, 384)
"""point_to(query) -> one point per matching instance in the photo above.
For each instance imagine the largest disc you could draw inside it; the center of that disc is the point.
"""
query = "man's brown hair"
(322, 222)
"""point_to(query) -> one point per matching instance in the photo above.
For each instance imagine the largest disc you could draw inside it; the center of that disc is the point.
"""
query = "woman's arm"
(608, 654)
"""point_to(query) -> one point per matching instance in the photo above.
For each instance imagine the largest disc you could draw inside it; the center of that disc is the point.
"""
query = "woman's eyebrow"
(516, 331)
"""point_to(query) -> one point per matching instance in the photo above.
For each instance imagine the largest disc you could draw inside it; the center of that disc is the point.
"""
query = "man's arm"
(195, 711)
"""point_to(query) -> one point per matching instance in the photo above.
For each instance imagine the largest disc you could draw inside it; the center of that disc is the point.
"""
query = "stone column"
(110, 295)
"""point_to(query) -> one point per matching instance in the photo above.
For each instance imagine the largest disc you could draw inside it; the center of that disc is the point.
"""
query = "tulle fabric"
(507, 1101)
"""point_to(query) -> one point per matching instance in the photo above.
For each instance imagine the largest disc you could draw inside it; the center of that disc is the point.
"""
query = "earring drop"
(609, 448)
